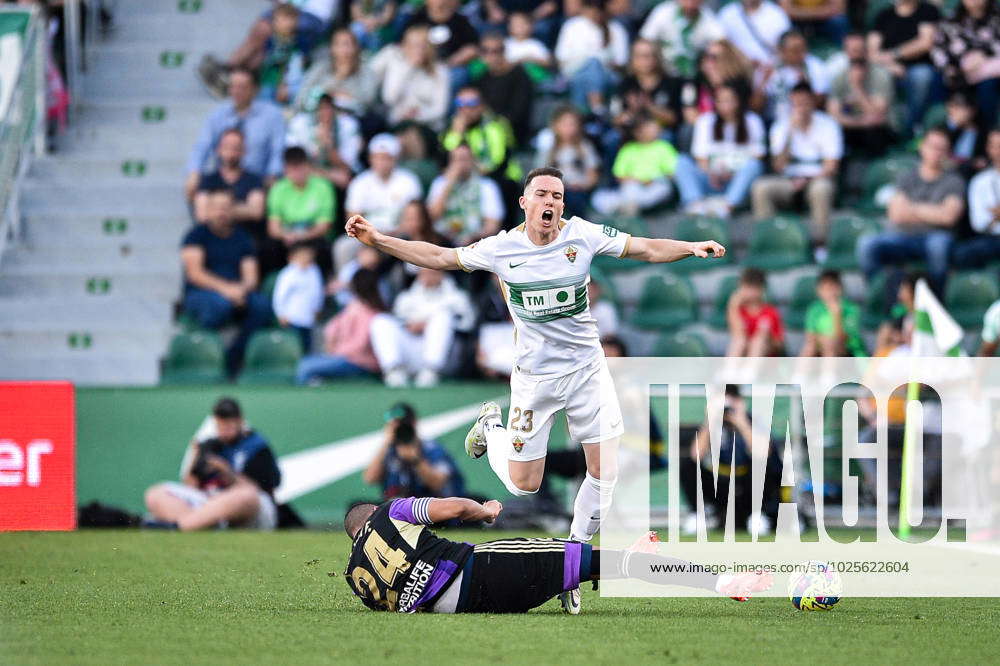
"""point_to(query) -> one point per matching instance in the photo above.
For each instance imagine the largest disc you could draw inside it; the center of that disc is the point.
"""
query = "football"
(815, 586)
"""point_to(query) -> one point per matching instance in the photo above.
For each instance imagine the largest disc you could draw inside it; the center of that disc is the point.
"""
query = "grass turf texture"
(101, 597)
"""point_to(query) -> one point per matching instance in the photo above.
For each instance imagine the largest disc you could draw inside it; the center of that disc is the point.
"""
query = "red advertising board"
(37, 456)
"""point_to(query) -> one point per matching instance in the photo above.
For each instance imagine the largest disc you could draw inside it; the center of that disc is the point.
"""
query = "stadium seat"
(874, 7)
(272, 357)
(969, 295)
(667, 302)
(702, 229)
(843, 239)
(876, 309)
(803, 294)
(721, 301)
(194, 357)
(680, 343)
(936, 115)
(881, 173)
(777, 244)
(268, 283)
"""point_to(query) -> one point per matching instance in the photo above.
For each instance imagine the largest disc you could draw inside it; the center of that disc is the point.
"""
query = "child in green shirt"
(643, 169)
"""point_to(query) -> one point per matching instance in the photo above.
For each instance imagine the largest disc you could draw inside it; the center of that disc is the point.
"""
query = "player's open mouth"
(547, 215)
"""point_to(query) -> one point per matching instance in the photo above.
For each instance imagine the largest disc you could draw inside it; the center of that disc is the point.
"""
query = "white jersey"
(546, 291)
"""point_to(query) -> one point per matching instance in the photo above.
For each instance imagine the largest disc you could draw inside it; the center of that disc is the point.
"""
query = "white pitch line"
(305, 471)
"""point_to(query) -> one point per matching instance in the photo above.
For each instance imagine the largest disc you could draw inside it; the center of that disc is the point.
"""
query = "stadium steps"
(88, 292)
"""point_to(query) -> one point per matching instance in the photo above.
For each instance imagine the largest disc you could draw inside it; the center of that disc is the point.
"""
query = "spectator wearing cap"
(406, 465)
(806, 148)
(755, 26)
(261, 123)
(332, 139)
(221, 276)
(464, 205)
(795, 65)
(506, 87)
(984, 212)
(228, 478)
(247, 187)
(488, 135)
(379, 193)
(299, 209)
(415, 85)
(681, 29)
(860, 100)
(922, 214)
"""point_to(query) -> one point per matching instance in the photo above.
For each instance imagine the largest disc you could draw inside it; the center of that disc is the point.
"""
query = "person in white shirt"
(590, 48)
(682, 29)
(379, 193)
(416, 84)
(520, 46)
(795, 65)
(806, 148)
(331, 137)
(298, 293)
(726, 158)
(464, 205)
(755, 26)
(544, 265)
(430, 312)
(984, 212)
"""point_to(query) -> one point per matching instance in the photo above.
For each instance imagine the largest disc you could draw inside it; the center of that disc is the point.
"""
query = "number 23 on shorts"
(516, 414)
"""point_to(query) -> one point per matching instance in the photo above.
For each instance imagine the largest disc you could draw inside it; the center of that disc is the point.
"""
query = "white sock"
(497, 447)
(593, 500)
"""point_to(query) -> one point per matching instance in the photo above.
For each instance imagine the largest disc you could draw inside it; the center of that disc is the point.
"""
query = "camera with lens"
(404, 433)
(200, 469)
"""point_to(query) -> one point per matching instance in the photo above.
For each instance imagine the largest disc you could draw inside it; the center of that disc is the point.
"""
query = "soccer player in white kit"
(543, 267)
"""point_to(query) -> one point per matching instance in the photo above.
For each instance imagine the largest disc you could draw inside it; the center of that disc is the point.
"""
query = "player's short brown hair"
(541, 171)
(356, 517)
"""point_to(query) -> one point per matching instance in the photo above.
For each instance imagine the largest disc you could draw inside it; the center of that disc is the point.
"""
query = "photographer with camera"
(228, 479)
(736, 455)
(406, 465)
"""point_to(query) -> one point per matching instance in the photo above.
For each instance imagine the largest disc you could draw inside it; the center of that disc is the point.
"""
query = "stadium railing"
(22, 108)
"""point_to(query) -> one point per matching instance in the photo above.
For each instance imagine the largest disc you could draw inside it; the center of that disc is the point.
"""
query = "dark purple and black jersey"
(398, 565)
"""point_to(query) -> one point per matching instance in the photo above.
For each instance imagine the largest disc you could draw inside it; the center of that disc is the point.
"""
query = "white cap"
(384, 143)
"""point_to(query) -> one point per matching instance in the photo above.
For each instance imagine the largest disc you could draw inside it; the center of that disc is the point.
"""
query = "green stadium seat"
(969, 295)
(842, 240)
(721, 301)
(702, 229)
(803, 294)
(680, 343)
(272, 357)
(936, 115)
(882, 172)
(875, 309)
(194, 357)
(667, 302)
(777, 244)
(267, 285)
(874, 7)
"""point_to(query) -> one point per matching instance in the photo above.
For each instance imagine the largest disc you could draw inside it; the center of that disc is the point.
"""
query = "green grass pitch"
(108, 597)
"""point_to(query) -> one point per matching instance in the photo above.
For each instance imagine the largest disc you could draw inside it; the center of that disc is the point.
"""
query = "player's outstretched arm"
(449, 508)
(419, 253)
(665, 250)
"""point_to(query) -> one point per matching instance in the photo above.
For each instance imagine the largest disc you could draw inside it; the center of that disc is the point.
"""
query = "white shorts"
(267, 512)
(588, 396)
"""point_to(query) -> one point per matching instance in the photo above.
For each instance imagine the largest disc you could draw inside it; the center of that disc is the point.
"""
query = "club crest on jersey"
(518, 444)
(571, 253)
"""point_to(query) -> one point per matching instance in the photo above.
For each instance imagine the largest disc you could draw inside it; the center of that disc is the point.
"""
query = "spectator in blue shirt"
(261, 123)
(408, 466)
(221, 276)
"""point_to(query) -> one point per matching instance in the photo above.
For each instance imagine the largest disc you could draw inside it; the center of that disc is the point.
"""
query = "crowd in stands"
(424, 116)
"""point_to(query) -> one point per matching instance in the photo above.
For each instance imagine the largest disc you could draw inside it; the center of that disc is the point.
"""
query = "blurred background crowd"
(840, 149)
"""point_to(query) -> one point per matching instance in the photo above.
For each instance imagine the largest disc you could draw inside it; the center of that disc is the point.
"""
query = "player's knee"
(525, 486)
(153, 496)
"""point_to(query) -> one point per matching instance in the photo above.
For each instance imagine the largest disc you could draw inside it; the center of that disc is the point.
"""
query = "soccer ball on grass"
(815, 586)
